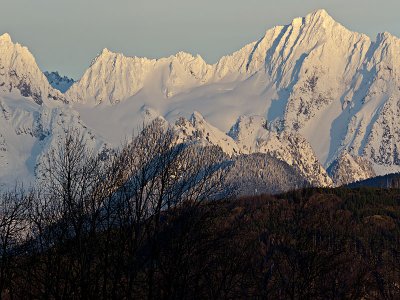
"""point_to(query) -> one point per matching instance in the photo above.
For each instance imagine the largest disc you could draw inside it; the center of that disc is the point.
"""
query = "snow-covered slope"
(33, 115)
(19, 72)
(28, 129)
(198, 130)
(253, 136)
(113, 77)
(59, 83)
(249, 136)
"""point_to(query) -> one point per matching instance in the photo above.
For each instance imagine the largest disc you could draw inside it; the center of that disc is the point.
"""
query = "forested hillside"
(307, 244)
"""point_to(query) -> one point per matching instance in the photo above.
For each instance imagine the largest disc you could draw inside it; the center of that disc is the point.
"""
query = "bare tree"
(160, 174)
(90, 214)
(72, 192)
(13, 232)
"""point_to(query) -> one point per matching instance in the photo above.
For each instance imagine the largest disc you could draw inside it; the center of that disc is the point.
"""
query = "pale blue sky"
(65, 35)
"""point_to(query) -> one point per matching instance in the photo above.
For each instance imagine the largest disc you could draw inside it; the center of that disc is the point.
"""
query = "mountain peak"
(319, 16)
(316, 20)
(196, 117)
(183, 55)
(320, 13)
(5, 38)
(105, 52)
(385, 36)
(20, 72)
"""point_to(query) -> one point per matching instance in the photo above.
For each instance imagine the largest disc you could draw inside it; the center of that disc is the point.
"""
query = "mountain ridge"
(59, 83)
(306, 92)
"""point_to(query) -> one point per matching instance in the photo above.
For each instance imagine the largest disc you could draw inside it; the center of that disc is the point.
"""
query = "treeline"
(142, 223)
(384, 181)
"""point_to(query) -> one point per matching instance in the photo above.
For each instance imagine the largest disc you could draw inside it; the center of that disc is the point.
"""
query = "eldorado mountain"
(305, 93)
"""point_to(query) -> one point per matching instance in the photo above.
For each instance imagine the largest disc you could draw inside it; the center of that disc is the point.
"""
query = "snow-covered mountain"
(313, 77)
(19, 73)
(197, 129)
(253, 136)
(306, 93)
(249, 136)
(61, 83)
(33, 115)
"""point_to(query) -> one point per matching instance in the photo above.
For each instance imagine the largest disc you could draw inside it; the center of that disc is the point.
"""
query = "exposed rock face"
(348, 168)
(61, 83)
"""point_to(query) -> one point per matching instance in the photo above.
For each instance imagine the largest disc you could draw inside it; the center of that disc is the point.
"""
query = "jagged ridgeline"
(61, 83)
(311, 93)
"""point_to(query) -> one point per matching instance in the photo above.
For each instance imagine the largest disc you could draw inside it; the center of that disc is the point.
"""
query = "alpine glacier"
(311, 93)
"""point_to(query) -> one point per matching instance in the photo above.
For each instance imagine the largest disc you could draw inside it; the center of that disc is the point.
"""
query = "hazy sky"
(65, 35)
